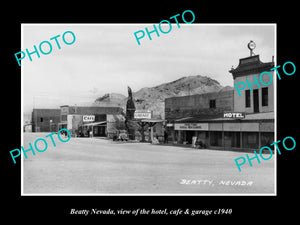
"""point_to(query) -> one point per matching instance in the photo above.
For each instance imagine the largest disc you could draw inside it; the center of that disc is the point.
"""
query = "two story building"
(206, 117)
(256, 101)
(189, 116)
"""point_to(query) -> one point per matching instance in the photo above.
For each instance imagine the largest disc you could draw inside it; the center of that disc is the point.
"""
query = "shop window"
(267, 138)
(232, 139)
(247, 98)
(250, 140)
(216, 138)
(264, 96)
(212, 104)
(202, 137)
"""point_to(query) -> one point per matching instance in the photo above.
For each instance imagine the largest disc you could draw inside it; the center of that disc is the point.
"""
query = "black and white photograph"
(146, 109)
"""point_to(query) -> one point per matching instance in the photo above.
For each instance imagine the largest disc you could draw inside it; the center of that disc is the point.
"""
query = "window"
(212, 104)
(264, 96)
(250, 140)
(247, 98)
(216, 138)
(232, 139)
(266, 138)
(64, 118)
(256, 101)
(41, 119)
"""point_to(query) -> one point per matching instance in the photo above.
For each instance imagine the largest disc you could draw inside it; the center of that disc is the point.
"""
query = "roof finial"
(251, 46)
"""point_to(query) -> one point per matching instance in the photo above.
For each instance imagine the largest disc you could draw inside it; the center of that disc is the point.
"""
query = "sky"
(106, 58)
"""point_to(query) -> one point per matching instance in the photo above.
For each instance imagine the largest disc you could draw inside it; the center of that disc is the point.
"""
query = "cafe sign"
(88, 118)
(191, 126)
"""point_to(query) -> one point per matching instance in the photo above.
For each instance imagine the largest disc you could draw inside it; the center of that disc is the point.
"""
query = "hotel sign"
(142, 114)
(191, 126)
(234, 115)
(88, 118)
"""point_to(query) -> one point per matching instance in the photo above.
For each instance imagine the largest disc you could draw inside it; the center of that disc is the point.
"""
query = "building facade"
(208, 105)
(91, 121)
(184, 114)
(45, 120)
(256, 100)
(200, 119)
(260, 97)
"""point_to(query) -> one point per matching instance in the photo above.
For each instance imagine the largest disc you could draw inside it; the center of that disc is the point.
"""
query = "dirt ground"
(99, 166)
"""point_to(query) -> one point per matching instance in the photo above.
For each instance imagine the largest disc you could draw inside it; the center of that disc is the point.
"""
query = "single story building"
(84, 121)
(45, 120)
(251, 132)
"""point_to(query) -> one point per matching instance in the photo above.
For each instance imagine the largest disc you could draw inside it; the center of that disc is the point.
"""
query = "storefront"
(96, 129)
(249, 133)
(91, 121)
(224, 119)
(186, 132)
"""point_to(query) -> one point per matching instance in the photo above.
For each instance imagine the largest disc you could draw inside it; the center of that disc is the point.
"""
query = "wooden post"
(142, 130)
(179, 137)
(259, 140)
(151, 133)
(241, 139)
(223, 136)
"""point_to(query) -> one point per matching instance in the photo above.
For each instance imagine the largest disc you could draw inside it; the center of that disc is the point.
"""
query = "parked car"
(123, 136)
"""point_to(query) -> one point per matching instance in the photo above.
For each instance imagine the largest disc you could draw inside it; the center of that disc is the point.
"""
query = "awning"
(153, 120)
(185, 119)
(95, 123)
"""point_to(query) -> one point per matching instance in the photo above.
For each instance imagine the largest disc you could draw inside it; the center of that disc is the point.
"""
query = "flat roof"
(153, 120)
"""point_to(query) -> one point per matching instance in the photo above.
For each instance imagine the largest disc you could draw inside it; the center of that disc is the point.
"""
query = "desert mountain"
(111, 99)
(152, 98)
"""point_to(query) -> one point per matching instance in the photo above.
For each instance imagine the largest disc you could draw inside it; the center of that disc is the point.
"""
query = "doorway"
(255, 101)
(99, 131)
(189, 136)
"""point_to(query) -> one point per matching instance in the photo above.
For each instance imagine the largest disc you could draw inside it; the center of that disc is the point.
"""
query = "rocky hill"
(152, 98)
(112, 99)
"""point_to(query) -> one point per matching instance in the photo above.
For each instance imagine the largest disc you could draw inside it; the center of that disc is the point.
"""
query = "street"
(99, 166)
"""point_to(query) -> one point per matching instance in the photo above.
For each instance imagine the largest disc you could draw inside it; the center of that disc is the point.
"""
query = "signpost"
(142, 114)
(191, 126)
